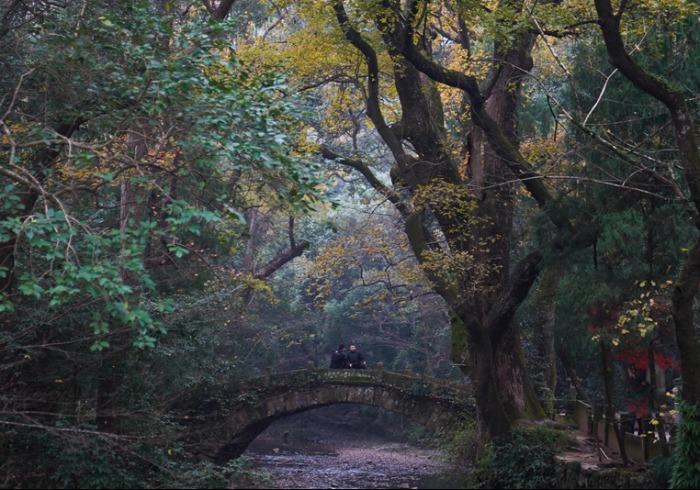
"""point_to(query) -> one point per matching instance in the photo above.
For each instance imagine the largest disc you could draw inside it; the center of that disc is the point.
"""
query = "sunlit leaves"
(641, 315)
(450, 200)
(665, 13)
(639, 318)
(460, 258)
(218, 113)
(369, 259)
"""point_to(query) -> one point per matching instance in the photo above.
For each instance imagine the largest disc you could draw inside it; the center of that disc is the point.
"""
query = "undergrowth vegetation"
(524, 460)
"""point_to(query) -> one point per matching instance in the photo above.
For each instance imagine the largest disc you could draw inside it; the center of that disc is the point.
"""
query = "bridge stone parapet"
(222, 420)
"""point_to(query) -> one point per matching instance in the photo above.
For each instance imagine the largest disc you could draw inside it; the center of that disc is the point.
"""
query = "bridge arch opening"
(322, 429)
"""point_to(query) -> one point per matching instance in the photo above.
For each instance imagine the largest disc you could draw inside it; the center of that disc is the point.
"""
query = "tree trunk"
(496, 211)
(110, 376)
(483, 300)
(570, 369)
(609, 405)
(543, 339)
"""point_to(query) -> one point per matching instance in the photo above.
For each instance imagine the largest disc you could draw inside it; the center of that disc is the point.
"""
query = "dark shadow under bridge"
(223, 419)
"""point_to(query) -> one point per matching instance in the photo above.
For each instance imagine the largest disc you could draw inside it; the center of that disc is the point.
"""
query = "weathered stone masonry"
(223, 419)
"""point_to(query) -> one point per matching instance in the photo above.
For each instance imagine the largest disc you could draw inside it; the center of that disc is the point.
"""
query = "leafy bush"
(662, 470)
(459, 448)
(525, 459)
(686, 473)
(71, 457)
(237, 473)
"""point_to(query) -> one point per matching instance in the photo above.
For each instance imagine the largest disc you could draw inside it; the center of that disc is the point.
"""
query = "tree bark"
(482, 302)
(544, 323)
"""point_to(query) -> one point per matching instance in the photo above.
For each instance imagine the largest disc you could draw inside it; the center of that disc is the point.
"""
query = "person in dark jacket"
(338, 358)
(355, 359)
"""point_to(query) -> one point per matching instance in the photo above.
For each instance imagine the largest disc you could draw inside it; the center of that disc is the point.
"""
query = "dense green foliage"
(169, 131)
(685, 474)
(166, 220)
(524, 460)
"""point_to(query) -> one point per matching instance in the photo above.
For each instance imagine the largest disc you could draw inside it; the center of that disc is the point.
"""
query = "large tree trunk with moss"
(504, 392)
(496, 212)
(474, 220)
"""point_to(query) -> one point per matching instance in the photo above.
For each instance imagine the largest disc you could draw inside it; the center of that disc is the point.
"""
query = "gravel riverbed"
(345, 449)
(376, 464)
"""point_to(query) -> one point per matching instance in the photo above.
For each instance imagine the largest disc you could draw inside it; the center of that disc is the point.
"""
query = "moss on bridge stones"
(233, 414)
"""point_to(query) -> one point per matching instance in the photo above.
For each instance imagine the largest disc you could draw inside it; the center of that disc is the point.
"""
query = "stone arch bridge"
(223, 419)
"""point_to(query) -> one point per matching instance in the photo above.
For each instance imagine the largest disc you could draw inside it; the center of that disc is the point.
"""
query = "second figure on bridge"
(355, 359)
(338, 358)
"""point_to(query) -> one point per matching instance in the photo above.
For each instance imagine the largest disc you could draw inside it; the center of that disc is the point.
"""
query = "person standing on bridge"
(338, 358)
(355, 359)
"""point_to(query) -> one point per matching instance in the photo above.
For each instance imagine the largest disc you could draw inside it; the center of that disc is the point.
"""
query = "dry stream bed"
(362, 461)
